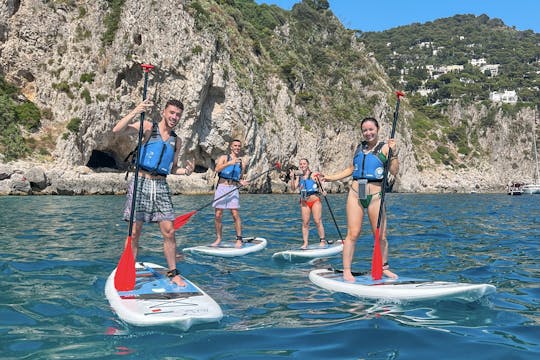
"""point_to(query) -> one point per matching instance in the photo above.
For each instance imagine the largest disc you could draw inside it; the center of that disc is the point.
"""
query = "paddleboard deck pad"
(156, 300)
(407, 289)
(313, 251)
(228, 249)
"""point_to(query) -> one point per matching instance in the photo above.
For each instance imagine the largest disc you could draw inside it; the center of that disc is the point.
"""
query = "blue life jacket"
(369, 166)
(157, 156)
(231, 172)
(307, 186)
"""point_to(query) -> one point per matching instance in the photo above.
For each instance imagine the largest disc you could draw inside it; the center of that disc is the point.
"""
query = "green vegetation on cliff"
(488, 55)
(458, 60)
(16, 116)
(322, 64)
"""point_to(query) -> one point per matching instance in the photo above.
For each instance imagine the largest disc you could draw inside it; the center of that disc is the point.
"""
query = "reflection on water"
(56, 253)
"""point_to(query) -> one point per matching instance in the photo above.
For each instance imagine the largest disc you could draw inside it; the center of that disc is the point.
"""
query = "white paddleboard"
(312, 251)
(399, 289)
(156, 300)
(228, 249)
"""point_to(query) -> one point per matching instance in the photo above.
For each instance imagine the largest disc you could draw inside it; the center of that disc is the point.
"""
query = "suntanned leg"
(384, 250)
(237, 227)
(218, 225)
(355, 214)
(135, 236)
(316, 210)
(169, 248)
(306, 213)
(373, 213)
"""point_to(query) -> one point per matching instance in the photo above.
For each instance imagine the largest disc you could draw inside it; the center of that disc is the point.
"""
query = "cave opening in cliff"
(101, 159)
(200, 169)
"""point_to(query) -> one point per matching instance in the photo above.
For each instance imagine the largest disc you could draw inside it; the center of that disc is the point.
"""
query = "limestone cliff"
(55, 52)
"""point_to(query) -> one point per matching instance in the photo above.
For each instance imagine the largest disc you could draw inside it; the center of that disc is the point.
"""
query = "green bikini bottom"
(365, 202)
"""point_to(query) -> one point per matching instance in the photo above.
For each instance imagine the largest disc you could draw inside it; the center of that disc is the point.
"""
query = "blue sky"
(378, 15)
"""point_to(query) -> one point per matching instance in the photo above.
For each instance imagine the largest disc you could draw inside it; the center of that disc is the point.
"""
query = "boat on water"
(515, 188)
(531, 188)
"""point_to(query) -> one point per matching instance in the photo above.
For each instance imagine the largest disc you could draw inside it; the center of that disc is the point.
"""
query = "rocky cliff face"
(53, 51)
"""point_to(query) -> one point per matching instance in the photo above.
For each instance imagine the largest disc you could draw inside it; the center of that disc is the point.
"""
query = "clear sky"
(379, 15)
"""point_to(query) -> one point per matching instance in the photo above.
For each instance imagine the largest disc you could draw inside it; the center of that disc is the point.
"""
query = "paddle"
(330, 209)
(376, 261)
(183, 219)
(124, 278)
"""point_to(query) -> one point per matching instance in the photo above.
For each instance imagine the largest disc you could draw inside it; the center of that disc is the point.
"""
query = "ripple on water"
(54, 265)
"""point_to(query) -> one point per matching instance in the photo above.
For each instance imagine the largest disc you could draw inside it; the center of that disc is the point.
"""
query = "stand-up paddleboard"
(399, 289)
(228, 249)
(156, 300)
(312, 251)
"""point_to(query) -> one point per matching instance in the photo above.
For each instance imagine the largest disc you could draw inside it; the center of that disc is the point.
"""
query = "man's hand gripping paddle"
(124, 278)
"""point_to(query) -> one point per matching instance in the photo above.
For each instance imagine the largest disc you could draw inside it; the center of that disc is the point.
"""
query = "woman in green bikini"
(367, 171)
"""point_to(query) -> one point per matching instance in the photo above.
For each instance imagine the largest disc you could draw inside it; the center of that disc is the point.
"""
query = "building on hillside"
(506, 96)
(451, 68)
(478, 62)
(425, 92)
(434, 72)
(425, 44)
(492, 68)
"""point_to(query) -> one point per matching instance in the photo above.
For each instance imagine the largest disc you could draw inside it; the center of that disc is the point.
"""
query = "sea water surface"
(56, 253)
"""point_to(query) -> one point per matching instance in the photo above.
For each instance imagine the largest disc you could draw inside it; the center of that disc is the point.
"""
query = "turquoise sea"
(56, 253)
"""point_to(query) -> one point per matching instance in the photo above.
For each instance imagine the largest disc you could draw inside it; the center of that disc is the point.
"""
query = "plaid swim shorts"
(154, 203)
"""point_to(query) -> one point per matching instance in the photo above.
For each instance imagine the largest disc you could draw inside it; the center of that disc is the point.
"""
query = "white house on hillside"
(492, 68)
(478, 62)
(508, 96)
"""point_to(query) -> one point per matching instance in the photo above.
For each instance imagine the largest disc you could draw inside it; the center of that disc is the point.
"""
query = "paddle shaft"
(235, 188)
(146, 69)
(125, 276)
(376, 260)
(387, 165)
(329, 208)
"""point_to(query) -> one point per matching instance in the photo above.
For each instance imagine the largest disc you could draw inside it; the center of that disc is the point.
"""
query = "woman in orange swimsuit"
(310, 202)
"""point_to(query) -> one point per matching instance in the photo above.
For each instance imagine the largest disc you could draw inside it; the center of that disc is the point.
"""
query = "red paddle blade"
(376, 261)
(124, 279)
(183, 219)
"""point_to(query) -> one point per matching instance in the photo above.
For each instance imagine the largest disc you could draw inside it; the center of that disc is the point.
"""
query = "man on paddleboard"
(158, 157)
(230, 169)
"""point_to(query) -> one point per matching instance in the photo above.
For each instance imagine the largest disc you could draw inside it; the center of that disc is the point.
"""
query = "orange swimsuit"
(309, 203)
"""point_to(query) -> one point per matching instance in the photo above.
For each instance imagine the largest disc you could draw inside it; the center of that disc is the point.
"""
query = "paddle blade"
(124, 279)
(183, 219)
(376, 261)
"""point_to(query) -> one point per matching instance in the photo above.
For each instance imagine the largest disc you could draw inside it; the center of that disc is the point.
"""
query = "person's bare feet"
(348, 276)
(389, 274)
(238, 244)
(178, 281)
(216, 243)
